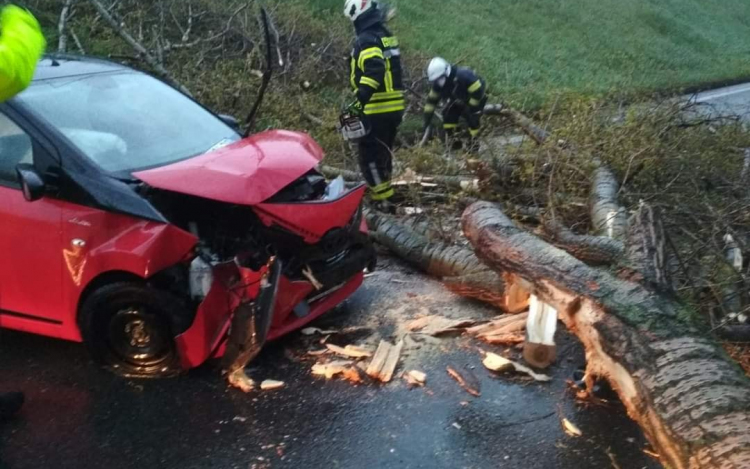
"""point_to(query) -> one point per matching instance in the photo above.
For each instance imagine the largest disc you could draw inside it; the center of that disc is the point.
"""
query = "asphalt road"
(80, 416)
(731, 100)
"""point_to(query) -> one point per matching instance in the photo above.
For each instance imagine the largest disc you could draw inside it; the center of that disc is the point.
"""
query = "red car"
(137, 221)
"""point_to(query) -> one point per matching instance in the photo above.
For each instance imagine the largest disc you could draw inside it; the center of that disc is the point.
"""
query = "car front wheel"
(127, 328)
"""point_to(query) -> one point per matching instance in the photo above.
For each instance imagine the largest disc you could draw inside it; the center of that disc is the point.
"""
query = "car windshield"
(127, 121)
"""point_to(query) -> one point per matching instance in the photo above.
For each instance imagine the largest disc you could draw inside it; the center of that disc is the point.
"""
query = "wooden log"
(597, 250)
(691, 401)
(647, 249)
(607, 217)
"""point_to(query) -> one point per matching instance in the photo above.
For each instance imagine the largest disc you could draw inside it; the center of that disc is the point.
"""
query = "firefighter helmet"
(353, 9)
(438, 68)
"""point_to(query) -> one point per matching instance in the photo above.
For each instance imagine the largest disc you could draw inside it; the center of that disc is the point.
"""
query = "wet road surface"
(78, 416)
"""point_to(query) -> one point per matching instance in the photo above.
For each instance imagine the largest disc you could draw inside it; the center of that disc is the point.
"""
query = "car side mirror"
(231, 121)
(32, 183)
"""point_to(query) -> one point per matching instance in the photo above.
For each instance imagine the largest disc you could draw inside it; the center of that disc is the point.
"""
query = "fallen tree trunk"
(691, 401)
(608, 218)
(598, 250)
(458, 267)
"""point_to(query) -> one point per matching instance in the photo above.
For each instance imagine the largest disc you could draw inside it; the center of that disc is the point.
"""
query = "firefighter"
(21, 47)
(376, 78)
(465, 95)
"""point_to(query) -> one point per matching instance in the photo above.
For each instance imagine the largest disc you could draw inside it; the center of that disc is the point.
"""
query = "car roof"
(62, 66)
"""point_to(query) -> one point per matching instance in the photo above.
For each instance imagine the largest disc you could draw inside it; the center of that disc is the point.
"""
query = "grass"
(531, 50)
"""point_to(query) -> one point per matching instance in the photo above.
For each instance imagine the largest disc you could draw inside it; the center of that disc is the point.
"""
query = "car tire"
(126, 326)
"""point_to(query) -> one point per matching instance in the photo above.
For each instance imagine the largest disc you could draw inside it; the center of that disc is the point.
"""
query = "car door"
(31, 254)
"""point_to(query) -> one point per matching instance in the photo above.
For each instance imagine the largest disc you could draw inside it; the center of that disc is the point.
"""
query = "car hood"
(246, 172)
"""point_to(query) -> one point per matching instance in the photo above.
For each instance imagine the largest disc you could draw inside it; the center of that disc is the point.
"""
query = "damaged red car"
(137, 221)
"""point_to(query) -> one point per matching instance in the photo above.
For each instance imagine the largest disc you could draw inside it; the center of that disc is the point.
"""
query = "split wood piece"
(270, 385)
(385, 360)
(494, 362)
(437, 325)
(240, 380)
(351, 351)
(690, 399)
(415, 378)
(465, 379)
(570, 428)
(501, 325)
(504, 339)
(331, 369)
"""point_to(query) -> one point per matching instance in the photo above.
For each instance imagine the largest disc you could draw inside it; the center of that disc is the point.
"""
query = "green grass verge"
(531, 50)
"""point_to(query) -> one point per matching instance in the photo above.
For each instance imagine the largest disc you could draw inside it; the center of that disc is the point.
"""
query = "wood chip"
(351, 351)
(331, 369)
(269, 385)
(415, 378)
(352, 374)
(437, 325)
(504, 339)
(318, 353)
(385, 360)
(498, 324)
(570, 428)
(315, 330)
(494, 362)
(465, 379)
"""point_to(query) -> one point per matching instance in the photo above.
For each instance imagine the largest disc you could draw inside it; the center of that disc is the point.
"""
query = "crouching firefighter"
(465, 95)
(21, 47)
(376, 78)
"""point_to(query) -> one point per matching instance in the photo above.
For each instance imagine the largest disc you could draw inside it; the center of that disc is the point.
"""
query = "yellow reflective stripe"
(370, 53)
(449, 126)
(353, 78)
(433, 95)
(475, 87)
(391, 42)
(388, 76)
(474, 102)
(369, 82)
(381, 187)
(381, 96)
(430, 108)
(473, 132)
(381, 108)
(382, 195)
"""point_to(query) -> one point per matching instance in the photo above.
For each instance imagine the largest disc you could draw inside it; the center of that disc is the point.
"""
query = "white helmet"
(438, 68)
(353, 9)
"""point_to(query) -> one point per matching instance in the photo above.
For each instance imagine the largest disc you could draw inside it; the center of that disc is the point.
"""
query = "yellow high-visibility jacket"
(21, 46)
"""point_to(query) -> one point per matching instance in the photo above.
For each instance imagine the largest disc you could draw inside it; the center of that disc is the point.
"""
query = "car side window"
(15, 147)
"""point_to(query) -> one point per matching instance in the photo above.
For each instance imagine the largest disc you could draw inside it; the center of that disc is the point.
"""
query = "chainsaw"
(352, 127)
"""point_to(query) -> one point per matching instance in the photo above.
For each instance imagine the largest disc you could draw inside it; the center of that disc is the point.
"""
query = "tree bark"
(458, 267)
(608, 218)
(691, 401)
(597, 250)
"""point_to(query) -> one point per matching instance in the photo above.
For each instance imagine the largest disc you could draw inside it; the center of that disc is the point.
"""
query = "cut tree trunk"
(458, 267)
(692, 402)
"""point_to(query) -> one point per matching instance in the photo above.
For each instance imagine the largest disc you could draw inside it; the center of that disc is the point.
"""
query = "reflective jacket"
(375, 66)
(462, 86)
(21, 46)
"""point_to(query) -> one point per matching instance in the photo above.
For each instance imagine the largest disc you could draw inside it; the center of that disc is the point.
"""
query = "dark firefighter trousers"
(376, 153)
(455, 110)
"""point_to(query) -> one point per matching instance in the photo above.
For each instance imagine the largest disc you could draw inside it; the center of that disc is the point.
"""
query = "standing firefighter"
(21, 47)
(465, 95)
(375, 75)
